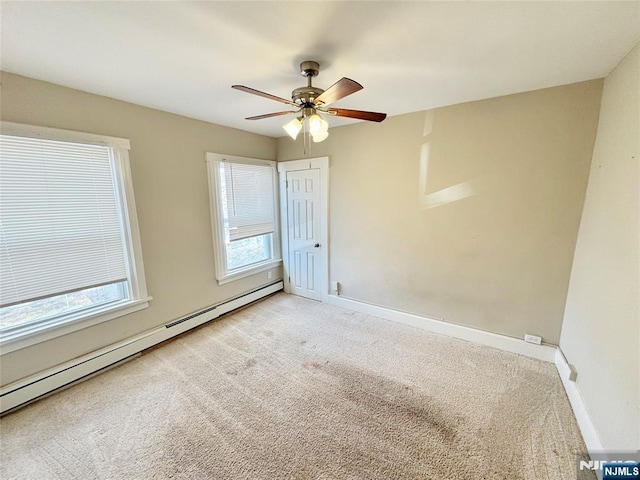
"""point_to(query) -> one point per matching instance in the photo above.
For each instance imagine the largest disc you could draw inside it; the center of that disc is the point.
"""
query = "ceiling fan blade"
(343, 87)
(242, 88)
(268, 115)
(360, 114)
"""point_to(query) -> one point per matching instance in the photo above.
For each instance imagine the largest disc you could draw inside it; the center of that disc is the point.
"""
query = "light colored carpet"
(292, 388)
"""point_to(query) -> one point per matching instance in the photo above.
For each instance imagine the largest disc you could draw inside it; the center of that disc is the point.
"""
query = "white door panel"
(303, 217)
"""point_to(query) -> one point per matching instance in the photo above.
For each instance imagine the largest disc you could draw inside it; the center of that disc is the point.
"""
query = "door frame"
(321, 163)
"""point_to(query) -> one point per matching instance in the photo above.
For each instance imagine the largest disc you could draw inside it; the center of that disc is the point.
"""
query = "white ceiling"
(183, 57)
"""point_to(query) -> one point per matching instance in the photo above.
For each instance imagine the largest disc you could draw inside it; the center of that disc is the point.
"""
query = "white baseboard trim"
(541, 352)
(587, 428)
(35, 386)
(545, 352)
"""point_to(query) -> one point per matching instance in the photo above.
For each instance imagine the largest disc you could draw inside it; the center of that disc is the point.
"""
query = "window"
(70, 253)
(243, 215)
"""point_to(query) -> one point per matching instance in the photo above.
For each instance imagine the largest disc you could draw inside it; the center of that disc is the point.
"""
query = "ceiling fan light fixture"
(293, 128)
(320, 136)
(317, 124)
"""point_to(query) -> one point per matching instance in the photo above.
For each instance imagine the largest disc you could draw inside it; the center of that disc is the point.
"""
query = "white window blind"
(249, 196)
(60, 228)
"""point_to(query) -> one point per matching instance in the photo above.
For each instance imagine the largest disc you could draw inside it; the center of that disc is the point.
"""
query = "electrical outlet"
(535, 339)
(269, 275)
(335, 286)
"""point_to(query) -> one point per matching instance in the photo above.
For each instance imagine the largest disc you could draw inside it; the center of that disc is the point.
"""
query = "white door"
(304, 233)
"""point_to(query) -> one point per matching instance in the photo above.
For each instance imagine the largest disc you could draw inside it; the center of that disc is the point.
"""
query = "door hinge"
(289, 279)
(286, 184)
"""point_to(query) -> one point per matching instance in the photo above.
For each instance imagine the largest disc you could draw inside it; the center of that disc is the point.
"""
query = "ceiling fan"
(310, 101)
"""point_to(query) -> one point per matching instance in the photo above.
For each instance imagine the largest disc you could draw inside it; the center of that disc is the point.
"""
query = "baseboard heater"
(31, 388)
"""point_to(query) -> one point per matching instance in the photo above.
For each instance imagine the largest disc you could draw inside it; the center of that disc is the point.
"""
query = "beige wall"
(601, 329)
(486, 236)
(170, 182)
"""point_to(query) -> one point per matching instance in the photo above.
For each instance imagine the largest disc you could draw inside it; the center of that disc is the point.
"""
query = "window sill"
(247, 272)
(41, 332)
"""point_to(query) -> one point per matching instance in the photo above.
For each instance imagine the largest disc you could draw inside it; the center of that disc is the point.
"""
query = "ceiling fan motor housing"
(304, 96)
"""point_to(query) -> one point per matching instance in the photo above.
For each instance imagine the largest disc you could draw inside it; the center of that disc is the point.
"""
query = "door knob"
(316, 245)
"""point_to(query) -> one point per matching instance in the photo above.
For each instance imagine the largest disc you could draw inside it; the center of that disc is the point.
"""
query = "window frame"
(222, 274)
(21, 336)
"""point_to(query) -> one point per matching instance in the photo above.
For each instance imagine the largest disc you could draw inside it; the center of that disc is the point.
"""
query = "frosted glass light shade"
(315, 124)
(293, 128)
(320, 136)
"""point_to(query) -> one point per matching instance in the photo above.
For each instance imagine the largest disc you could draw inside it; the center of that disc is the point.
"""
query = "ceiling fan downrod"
(304, 96)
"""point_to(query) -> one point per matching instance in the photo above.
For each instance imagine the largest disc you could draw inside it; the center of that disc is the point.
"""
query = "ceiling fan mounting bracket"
(309, 68)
